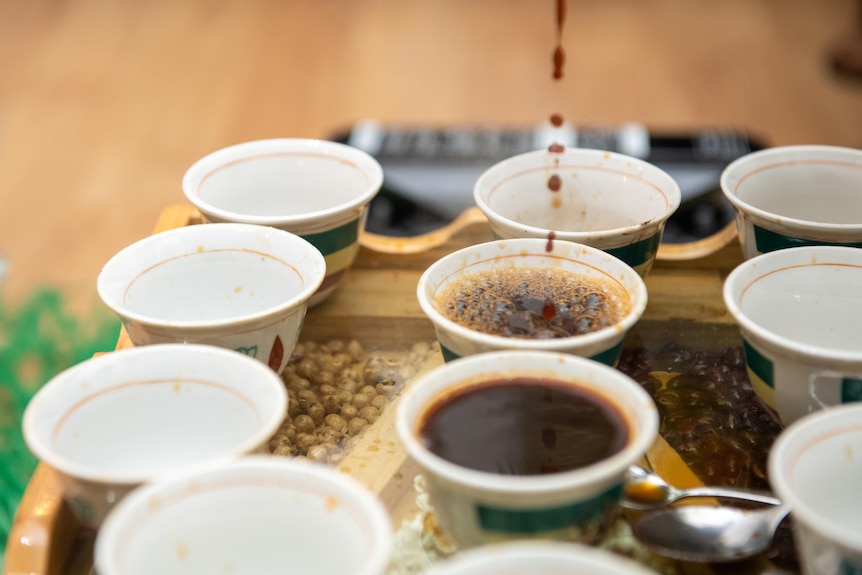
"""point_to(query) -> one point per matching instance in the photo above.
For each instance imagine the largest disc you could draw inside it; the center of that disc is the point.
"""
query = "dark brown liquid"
(533, 303)
(524, 427)
(559, 57)
(559, 60)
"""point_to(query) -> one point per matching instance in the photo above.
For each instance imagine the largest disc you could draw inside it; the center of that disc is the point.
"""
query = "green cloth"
(38, 339)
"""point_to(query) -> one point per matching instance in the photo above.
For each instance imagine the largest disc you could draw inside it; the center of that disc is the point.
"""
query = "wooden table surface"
(105, 103)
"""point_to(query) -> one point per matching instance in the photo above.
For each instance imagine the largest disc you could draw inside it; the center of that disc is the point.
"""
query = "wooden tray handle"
(470, 216)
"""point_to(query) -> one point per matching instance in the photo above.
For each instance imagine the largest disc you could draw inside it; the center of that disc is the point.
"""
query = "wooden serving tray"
(685, 338)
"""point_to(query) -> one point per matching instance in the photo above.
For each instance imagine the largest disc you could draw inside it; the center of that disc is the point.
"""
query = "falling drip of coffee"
(559, 57)
(559, 54)
(549, 247)
(559, 60)
(557, 120)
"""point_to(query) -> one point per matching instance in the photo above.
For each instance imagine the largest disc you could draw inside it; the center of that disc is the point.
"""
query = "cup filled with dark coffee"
(525, 444)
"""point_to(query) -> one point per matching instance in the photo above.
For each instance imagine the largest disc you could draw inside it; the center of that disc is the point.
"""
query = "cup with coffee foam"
(532, 294)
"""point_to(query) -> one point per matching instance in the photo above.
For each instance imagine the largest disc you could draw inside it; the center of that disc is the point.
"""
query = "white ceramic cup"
(260, 514)
(478, 507)
(116, 421)
(239, 286)
(793, 196)
(799, 312)
(538, 557)
(606, 200)
(457, 340)
(316, 189)
(815, 465)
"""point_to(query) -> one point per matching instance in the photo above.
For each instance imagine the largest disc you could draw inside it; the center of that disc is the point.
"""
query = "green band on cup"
(335, 239)
(608, 357)
(638, 253)
(851, 390)
(761, 373)
(769, 241)
(532, 521)
(760, 365)
(849, 566)
(448, 354)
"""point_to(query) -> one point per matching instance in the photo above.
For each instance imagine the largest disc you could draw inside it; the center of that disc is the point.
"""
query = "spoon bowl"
(644, 490)
(709, 534)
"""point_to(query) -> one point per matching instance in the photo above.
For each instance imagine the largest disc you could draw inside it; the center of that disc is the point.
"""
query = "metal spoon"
(645, 490)
(709, 534)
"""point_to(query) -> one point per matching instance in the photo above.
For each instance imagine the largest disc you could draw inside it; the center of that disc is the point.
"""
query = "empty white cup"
(792, 196)
(316, 189)
(799, 311)
(239, 286)
(606, 200)
(538, 557)
(119, 420)
(264, 515)
(815, 465)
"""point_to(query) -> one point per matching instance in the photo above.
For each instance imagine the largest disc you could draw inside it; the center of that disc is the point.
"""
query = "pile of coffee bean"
(709, 412)
(335, 390)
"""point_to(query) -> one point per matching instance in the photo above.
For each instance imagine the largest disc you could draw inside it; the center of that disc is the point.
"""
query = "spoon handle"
(731, 492)
(778, 515)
